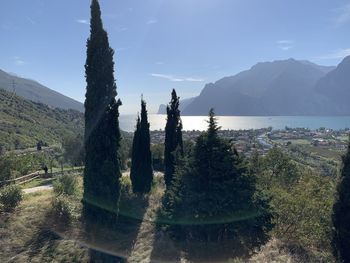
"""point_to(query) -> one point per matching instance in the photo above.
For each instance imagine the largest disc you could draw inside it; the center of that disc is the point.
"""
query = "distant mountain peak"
(345, 62)
(34, 91)
(280, 87)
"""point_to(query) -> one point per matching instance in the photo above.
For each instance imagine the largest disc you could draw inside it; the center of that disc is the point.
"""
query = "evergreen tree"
(135, 155)
(217, 198)
(173, 137)
(141, 173)
(341, 213)
(102, 134)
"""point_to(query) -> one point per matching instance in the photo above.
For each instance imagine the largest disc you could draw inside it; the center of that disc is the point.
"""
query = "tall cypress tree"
(102, 134)
(141, 173)
(173, 137)
(135, 155)
(341, 213)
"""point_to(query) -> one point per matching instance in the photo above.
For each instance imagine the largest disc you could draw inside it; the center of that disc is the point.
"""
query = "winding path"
(36, 189)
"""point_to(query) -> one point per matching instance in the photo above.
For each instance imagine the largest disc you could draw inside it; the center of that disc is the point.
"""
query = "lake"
(157, 122)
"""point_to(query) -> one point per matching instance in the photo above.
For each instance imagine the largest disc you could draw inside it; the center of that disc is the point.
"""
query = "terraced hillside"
(23, 123)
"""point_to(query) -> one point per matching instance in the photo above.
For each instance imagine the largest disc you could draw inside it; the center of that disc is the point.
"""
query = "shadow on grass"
(166, 247)
(88, 240)
(43, 240)
(177, 240)
(115, 243)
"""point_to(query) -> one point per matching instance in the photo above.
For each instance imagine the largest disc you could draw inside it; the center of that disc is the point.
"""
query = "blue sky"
(165, 44)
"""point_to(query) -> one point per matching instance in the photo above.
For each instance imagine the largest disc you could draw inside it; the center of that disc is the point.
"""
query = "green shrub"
(62, 207)
(10, 197)
(66, 184)
(125, 185)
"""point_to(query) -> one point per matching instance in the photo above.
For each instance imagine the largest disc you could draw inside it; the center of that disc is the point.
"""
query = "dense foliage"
(62, 208)
(10, 197)
(213, 198)
(157, 150)
(173, 137)
(141, 173)
(102, 134)
(13, 166)
(23, 123)
(74, 149)
(66, 184)
(301, 200)
(341, 213)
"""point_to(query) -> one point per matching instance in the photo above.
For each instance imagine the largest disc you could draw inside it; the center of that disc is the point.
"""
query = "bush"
(66, 184)
(10, 197)
(303, 212)
(125, 185)
(62, 207)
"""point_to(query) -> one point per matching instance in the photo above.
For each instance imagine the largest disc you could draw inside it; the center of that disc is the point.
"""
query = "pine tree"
(341, 213)
(173, 137)
(218, 199)
(141, 173)
(102, 134)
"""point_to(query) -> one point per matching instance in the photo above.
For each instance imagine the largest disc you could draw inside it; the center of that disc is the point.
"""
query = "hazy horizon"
(163, 45)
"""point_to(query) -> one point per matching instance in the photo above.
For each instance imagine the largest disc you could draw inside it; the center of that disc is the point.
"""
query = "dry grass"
(26, 235)
(31, 234)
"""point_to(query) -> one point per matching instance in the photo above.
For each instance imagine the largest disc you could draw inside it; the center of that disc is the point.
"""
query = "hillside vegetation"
(23, 123)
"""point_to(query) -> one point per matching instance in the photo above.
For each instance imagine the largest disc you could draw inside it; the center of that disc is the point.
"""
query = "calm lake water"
(157, 122)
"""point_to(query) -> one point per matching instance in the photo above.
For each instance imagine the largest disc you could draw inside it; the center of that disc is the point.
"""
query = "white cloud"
(18, 61)
(336, 54)
(285, 44)
(194, 79)
(343, 15)
(176, 79)
(83, 21)
(152, 21)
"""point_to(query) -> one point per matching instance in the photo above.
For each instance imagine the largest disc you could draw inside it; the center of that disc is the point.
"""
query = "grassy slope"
(31, 234)
(29, 122)
(26, 236)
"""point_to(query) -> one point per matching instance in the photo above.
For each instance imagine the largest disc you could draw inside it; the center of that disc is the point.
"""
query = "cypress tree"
(173, 137)
(141, 173)
(341, 213)
(102, 134)
(135, 155)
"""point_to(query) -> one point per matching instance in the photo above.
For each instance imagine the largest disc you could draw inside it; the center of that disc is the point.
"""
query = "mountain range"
(36, 92)
(284, 87)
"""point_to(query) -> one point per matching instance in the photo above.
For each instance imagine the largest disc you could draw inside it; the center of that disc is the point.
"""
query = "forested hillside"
(23, 123)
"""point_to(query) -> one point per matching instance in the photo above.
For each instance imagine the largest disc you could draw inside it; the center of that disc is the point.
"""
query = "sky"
(164, 44)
